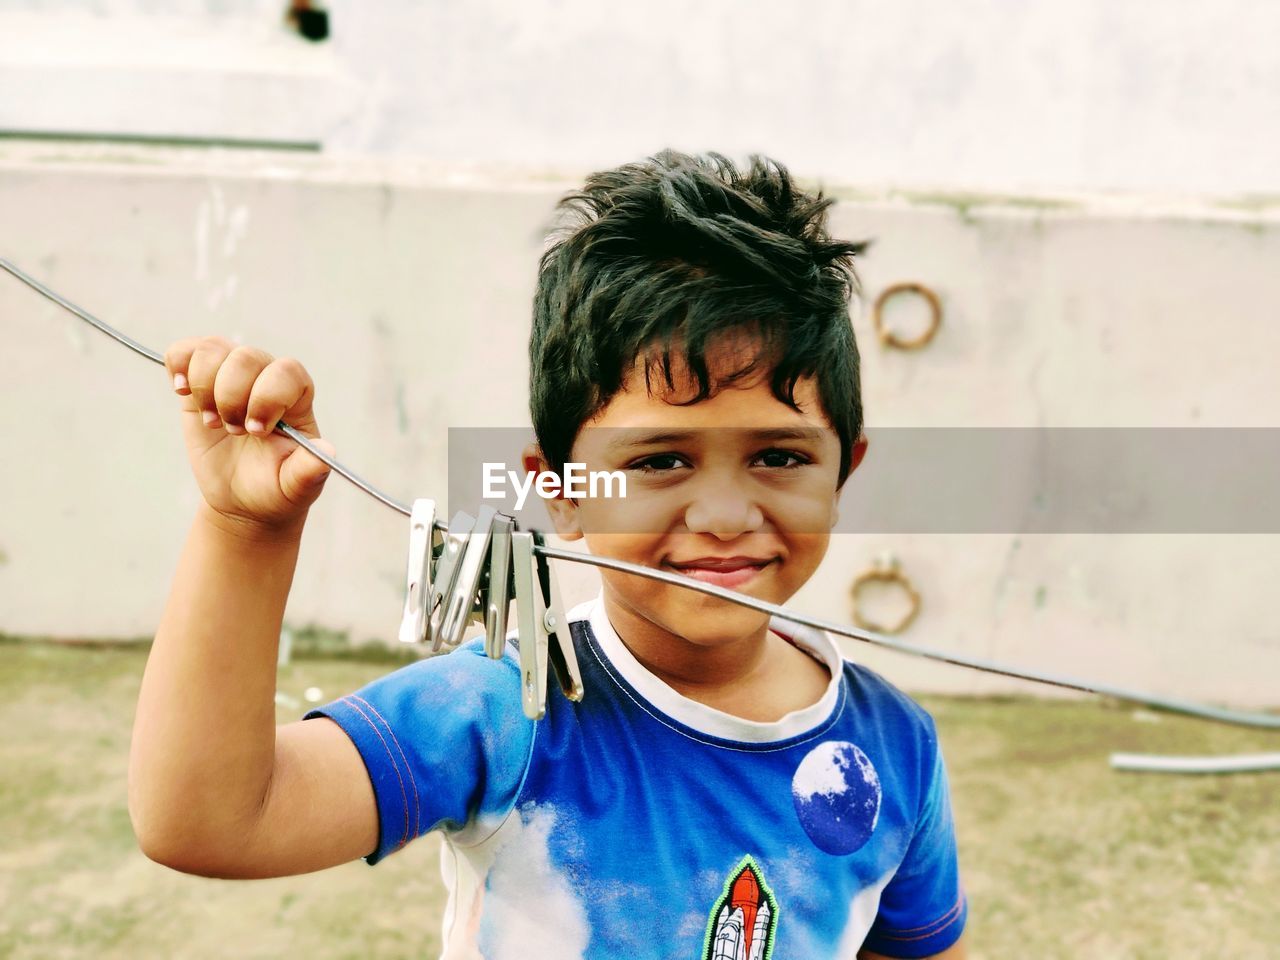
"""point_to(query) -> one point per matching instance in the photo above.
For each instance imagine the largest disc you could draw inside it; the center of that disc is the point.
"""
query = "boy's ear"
(856, 453)
(563, 510)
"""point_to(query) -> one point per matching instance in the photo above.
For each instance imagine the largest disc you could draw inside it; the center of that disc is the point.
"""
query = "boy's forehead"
(746, 403)
(646, 400)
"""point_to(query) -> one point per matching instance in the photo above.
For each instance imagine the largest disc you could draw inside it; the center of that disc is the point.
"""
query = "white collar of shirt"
(708, 720)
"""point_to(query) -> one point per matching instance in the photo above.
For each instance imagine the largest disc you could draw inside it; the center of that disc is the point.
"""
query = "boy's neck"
(760, 677)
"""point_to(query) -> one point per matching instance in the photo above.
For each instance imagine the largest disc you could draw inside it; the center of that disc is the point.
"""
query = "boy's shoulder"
(878, 695)
(464, 696)
(868, 695)
(904, 729)
(466, 672)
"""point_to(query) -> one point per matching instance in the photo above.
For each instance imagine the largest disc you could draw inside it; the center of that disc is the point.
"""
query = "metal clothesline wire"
(1185, 707)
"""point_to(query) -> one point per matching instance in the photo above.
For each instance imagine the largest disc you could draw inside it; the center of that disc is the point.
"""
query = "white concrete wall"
(994, 94)
(407, 295)
(1003, 95)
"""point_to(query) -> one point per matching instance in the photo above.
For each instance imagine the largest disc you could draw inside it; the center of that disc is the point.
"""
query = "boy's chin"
(701, 619)
(710, 622)
(718, 639)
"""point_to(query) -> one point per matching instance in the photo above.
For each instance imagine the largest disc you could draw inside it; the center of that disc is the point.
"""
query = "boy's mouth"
(726, 572)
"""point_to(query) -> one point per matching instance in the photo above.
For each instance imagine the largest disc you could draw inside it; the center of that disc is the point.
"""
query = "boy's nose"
(723, 512)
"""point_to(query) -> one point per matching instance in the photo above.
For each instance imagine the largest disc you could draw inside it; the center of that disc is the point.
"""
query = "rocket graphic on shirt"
(743, 920)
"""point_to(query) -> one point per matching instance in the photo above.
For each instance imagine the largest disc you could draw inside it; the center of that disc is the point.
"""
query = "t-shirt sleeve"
(445, 742)
(923, 908)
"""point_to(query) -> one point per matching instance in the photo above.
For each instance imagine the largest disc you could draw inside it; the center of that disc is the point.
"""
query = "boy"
(729, 788)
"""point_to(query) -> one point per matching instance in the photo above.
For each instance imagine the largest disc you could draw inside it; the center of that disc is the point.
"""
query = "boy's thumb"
(304, 472)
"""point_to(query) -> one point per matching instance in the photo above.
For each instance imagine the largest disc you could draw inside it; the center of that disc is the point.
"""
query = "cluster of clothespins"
(470, 573)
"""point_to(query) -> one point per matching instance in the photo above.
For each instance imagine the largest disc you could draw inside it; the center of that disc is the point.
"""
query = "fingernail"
(179, 382)
(209, 417)
(234, 430)
(254, 426)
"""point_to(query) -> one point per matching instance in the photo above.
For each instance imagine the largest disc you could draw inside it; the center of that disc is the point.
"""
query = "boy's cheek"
(811, 513)
(809, 549)
(637, 548)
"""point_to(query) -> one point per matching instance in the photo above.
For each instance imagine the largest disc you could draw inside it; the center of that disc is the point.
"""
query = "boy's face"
(738, 490)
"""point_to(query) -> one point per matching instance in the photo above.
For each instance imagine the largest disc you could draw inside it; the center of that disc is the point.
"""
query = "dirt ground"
(1061, 856)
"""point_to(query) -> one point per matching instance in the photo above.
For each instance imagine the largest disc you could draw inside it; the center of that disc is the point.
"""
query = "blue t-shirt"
(641, 824)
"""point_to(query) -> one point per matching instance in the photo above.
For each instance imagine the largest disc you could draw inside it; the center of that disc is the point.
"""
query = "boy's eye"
(770, 459)
(777, 459)
(659, 463)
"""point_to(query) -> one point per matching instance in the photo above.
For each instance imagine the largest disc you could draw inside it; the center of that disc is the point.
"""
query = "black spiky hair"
(667, 254)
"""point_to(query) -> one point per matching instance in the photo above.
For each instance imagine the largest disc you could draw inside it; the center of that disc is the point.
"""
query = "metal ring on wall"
(884, 570)
(888, 337)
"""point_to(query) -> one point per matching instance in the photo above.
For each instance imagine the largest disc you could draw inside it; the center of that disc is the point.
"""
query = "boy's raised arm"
(214, 787)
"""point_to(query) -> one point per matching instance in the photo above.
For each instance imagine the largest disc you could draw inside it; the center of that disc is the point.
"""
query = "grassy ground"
(1061, 856)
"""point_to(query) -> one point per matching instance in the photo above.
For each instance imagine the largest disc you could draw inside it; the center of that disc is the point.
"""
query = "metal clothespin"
(498, 588)
(446, 575)
(563, 658)
(415, 622)
(458, 603)
(543, 629)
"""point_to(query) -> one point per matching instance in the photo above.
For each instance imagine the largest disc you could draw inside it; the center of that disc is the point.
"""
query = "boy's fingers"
(177, 357)
(202, 370)
(283, 391)
(233, 383)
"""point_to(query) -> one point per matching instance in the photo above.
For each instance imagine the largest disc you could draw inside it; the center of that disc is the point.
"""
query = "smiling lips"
(721, 571)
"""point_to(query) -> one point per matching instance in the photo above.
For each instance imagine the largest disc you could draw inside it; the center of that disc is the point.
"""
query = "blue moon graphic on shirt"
(837, 795)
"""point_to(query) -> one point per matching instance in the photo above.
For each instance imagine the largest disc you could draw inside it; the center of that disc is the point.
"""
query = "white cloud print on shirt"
(530, 911)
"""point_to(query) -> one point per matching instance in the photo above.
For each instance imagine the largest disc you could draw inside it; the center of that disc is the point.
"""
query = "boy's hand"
(232, 398)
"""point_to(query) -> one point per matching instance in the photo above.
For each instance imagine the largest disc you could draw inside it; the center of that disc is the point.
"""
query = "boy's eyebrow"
(627, 440)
